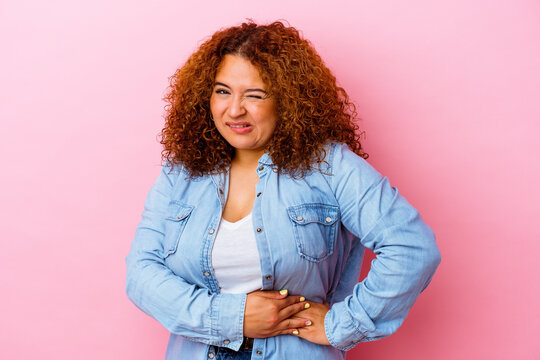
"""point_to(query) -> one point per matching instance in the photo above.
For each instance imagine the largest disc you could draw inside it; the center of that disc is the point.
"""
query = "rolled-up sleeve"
(406, 253)
(181, 307)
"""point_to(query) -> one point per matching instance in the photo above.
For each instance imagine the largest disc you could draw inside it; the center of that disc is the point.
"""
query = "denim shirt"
(311, 234)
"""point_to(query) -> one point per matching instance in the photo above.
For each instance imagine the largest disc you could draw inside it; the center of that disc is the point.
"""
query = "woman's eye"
(221, 91)
(255, 97)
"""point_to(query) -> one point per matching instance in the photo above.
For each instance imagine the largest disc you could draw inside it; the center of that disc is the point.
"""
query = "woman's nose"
(236, 107)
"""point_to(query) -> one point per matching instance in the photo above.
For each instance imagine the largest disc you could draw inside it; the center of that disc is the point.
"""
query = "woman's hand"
(315, 332)
(270, 313)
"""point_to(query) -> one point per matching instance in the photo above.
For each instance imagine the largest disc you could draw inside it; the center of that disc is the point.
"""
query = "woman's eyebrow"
(256, 89)
(217, 83)
(221, 84)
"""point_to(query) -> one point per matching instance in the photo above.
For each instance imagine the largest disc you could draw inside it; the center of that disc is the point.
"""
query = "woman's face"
(243, 112)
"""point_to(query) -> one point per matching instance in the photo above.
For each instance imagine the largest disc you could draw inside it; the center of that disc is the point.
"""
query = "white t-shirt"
(235, 257)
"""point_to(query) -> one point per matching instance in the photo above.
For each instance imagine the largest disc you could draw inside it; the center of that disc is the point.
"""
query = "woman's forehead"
(236, 70)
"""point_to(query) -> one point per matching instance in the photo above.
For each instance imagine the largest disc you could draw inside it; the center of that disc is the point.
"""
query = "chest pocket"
(314, 229)
(177, 217)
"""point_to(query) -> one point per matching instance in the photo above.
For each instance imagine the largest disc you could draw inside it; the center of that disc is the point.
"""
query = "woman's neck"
(247, 158)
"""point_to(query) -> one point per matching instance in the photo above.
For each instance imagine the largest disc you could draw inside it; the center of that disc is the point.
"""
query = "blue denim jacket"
(310, 233)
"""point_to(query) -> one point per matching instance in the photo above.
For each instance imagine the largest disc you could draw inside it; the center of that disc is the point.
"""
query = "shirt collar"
(265, 159)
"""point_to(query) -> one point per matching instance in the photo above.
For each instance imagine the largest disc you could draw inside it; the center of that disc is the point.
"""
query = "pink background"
(449, 93)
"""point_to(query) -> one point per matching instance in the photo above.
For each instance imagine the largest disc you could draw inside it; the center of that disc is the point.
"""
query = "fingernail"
(306, 306)
(308, 322)
(295, 332)
(302, 298)
(283, 292)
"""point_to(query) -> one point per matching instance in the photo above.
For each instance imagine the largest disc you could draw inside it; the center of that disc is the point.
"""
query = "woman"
(252, 237)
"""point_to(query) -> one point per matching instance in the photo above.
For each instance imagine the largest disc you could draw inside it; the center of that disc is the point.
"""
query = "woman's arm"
(184, 308)
(405, 248)
(181, 307)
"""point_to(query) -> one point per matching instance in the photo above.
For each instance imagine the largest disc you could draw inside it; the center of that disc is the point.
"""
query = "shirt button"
(259, 229)
(299, 218)
(258, 352)
(226, 342)
(261, 168)
(259, 194)
(211, 231)
(180, 216)
(221, 191)
(206, 273)
(268, 277)
(210, 355)
(328, 219)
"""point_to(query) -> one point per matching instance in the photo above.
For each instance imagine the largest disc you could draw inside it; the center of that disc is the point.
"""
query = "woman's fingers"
(295, 323)
(264, 313)
(282, 296)
(294, 308)
(271, 294)
(315, 333)
(288, 326)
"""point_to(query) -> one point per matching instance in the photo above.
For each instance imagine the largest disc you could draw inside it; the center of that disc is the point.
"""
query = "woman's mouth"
(239, 128)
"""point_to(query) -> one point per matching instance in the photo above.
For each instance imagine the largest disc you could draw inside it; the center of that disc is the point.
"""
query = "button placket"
(266, 267)
(207, 273)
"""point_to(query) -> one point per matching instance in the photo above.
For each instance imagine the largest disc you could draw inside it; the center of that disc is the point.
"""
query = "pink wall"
(449, 93)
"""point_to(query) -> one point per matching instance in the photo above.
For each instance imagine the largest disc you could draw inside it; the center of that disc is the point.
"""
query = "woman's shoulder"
(175, 173)
(171, 170)
(340, 157)
(344, 169)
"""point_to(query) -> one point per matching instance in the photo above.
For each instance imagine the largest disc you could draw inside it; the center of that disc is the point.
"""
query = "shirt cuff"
(341, 330)
(228, 315)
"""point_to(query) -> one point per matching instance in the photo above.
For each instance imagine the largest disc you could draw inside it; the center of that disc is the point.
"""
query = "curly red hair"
(312, 108)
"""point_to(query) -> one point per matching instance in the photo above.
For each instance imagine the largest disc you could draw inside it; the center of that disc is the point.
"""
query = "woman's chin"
(247, 148)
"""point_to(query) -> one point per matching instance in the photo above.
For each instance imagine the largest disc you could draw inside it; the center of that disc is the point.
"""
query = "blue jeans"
(228, 354)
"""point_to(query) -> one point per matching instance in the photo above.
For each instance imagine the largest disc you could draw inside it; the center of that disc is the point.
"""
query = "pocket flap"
(314, 213)
(177, 211)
